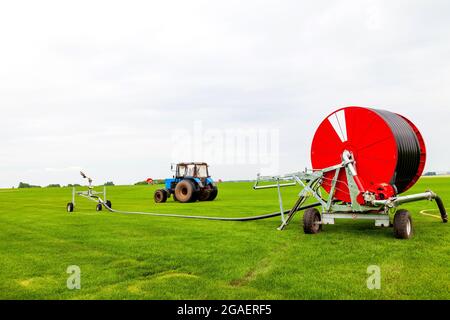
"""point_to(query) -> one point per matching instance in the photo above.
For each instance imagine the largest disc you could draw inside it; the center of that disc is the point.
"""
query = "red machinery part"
(389, 150)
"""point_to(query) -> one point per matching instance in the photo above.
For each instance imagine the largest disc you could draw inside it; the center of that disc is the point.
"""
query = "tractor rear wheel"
(160, 196)
(403, 224)
(213, 194)
(204, 195)
(311, 221)
(185, 191)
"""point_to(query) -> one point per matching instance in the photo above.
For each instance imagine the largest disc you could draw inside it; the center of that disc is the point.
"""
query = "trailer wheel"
(70, 207)
(311, 221)
(403, 224)
(108, 204)
(213, 194)
(160, 196)
(185, 191)
(99, 207)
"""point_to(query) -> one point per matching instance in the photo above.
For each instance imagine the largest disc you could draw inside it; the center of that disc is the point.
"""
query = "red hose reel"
(389, 150)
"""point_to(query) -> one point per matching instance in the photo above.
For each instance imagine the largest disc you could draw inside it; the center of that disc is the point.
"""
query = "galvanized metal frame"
(311, 182)
(90, 194)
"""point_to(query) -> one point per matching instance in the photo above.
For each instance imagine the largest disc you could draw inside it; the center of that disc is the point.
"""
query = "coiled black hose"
(408, 150)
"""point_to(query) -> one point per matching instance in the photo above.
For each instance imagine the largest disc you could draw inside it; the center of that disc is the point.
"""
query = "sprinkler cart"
(89, 194)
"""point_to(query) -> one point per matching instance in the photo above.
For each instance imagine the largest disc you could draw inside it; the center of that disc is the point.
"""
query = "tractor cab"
(194, 170)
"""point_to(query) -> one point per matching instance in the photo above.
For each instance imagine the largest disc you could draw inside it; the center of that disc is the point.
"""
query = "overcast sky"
(101, 85)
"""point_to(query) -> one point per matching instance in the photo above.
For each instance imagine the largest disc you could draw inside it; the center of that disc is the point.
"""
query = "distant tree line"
(24, 185)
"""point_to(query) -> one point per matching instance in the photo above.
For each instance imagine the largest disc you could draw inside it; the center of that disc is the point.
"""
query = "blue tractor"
(190, 183)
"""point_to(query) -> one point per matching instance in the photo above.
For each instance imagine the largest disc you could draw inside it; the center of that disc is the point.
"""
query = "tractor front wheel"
(160, 196)
(185, 191)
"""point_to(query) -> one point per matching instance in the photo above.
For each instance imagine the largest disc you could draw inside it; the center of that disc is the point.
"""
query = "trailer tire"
(403, 224)
(70, 207)
(213, 194)
(311, 219)
(99, 207)
(185, 191)
(160, 196)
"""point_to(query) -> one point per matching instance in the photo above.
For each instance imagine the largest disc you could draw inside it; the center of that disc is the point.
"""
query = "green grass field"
(142, 257)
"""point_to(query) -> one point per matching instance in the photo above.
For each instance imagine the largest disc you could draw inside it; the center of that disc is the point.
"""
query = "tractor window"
(181, 171)
(190, 170)
(202, 171)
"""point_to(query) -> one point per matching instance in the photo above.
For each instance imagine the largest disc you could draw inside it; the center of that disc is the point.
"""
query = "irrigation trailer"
(363, 159)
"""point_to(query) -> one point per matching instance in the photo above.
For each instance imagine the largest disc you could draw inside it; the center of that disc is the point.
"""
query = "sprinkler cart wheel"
(185, 191)
(160, 196)
(403, 224)
(99, 207)
(70, 207)
(312, 221)
(108, 204)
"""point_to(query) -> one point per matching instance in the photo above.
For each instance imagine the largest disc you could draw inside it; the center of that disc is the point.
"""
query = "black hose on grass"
(442, 210)
(260, 217)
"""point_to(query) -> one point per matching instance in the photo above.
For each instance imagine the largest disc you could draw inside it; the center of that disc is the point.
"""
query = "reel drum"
(389, 151)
